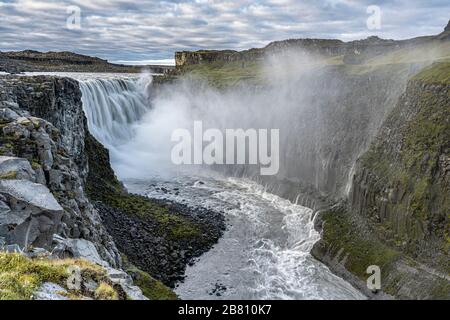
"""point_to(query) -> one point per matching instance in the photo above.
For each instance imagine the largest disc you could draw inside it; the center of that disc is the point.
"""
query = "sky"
(150, 31)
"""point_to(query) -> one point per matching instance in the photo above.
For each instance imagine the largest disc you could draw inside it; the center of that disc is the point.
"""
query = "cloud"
(152, 30)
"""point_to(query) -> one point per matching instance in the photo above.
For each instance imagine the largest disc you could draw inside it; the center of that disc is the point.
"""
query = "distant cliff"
(34, 61)
(353, 52)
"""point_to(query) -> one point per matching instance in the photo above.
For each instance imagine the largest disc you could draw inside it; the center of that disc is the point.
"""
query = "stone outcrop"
(55, 153)
(30, 215)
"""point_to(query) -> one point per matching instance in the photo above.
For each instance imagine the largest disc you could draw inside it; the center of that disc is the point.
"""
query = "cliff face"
(43, 122)
(353, 52)
(402, 182)
(397, 215)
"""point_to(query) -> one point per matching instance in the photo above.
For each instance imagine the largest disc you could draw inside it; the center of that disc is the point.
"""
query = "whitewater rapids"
(264, 254)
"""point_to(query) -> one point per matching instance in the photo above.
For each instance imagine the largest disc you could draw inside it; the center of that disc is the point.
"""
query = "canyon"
(363, 179)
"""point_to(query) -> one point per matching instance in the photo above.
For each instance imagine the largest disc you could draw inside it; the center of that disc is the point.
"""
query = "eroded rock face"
(397, 212)
(54, 153)
(402, 183)
(17, 167)
(30, 215)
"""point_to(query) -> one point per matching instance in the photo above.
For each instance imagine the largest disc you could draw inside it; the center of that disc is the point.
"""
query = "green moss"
(8, 175)
(105, 291)
(174, 225)
(339, 233)
(225, 74)
(438, 72)
(151, 288)
(411, 171)
(20, 276)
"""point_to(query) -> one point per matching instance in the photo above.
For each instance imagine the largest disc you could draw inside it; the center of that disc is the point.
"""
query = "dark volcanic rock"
(152, 248)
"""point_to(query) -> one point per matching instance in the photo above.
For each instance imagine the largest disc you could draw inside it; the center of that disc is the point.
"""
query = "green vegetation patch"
(106, 292)
(20, 276)
(340, 234)
(151, 288)
(226, 74)
(438, 72)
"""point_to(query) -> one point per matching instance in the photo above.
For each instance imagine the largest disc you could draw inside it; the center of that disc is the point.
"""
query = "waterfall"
(112, 106)
(323, 121)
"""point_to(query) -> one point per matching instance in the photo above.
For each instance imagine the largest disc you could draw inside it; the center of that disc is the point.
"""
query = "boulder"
(30, 215)
(7, 114)
(18, 167)
(126, 282)
(77, 248)
(51, 291)
(81, 248)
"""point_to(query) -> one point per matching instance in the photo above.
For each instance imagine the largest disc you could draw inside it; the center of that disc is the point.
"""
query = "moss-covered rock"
(397, 217)
(21, 277)
(349, 246)
(105, 291)
(151, 288)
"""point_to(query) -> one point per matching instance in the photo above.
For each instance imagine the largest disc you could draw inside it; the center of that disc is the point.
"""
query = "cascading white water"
(112, 106)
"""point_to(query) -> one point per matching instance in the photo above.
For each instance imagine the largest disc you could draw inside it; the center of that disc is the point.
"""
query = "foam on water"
(264, 254)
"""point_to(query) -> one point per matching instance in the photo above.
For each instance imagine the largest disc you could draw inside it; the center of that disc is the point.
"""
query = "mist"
(324, 121)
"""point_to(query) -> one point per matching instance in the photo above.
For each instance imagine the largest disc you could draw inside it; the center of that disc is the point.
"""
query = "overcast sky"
(120, 30)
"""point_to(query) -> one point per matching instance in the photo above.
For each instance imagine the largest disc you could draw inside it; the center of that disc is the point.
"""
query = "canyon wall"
(397, 211)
